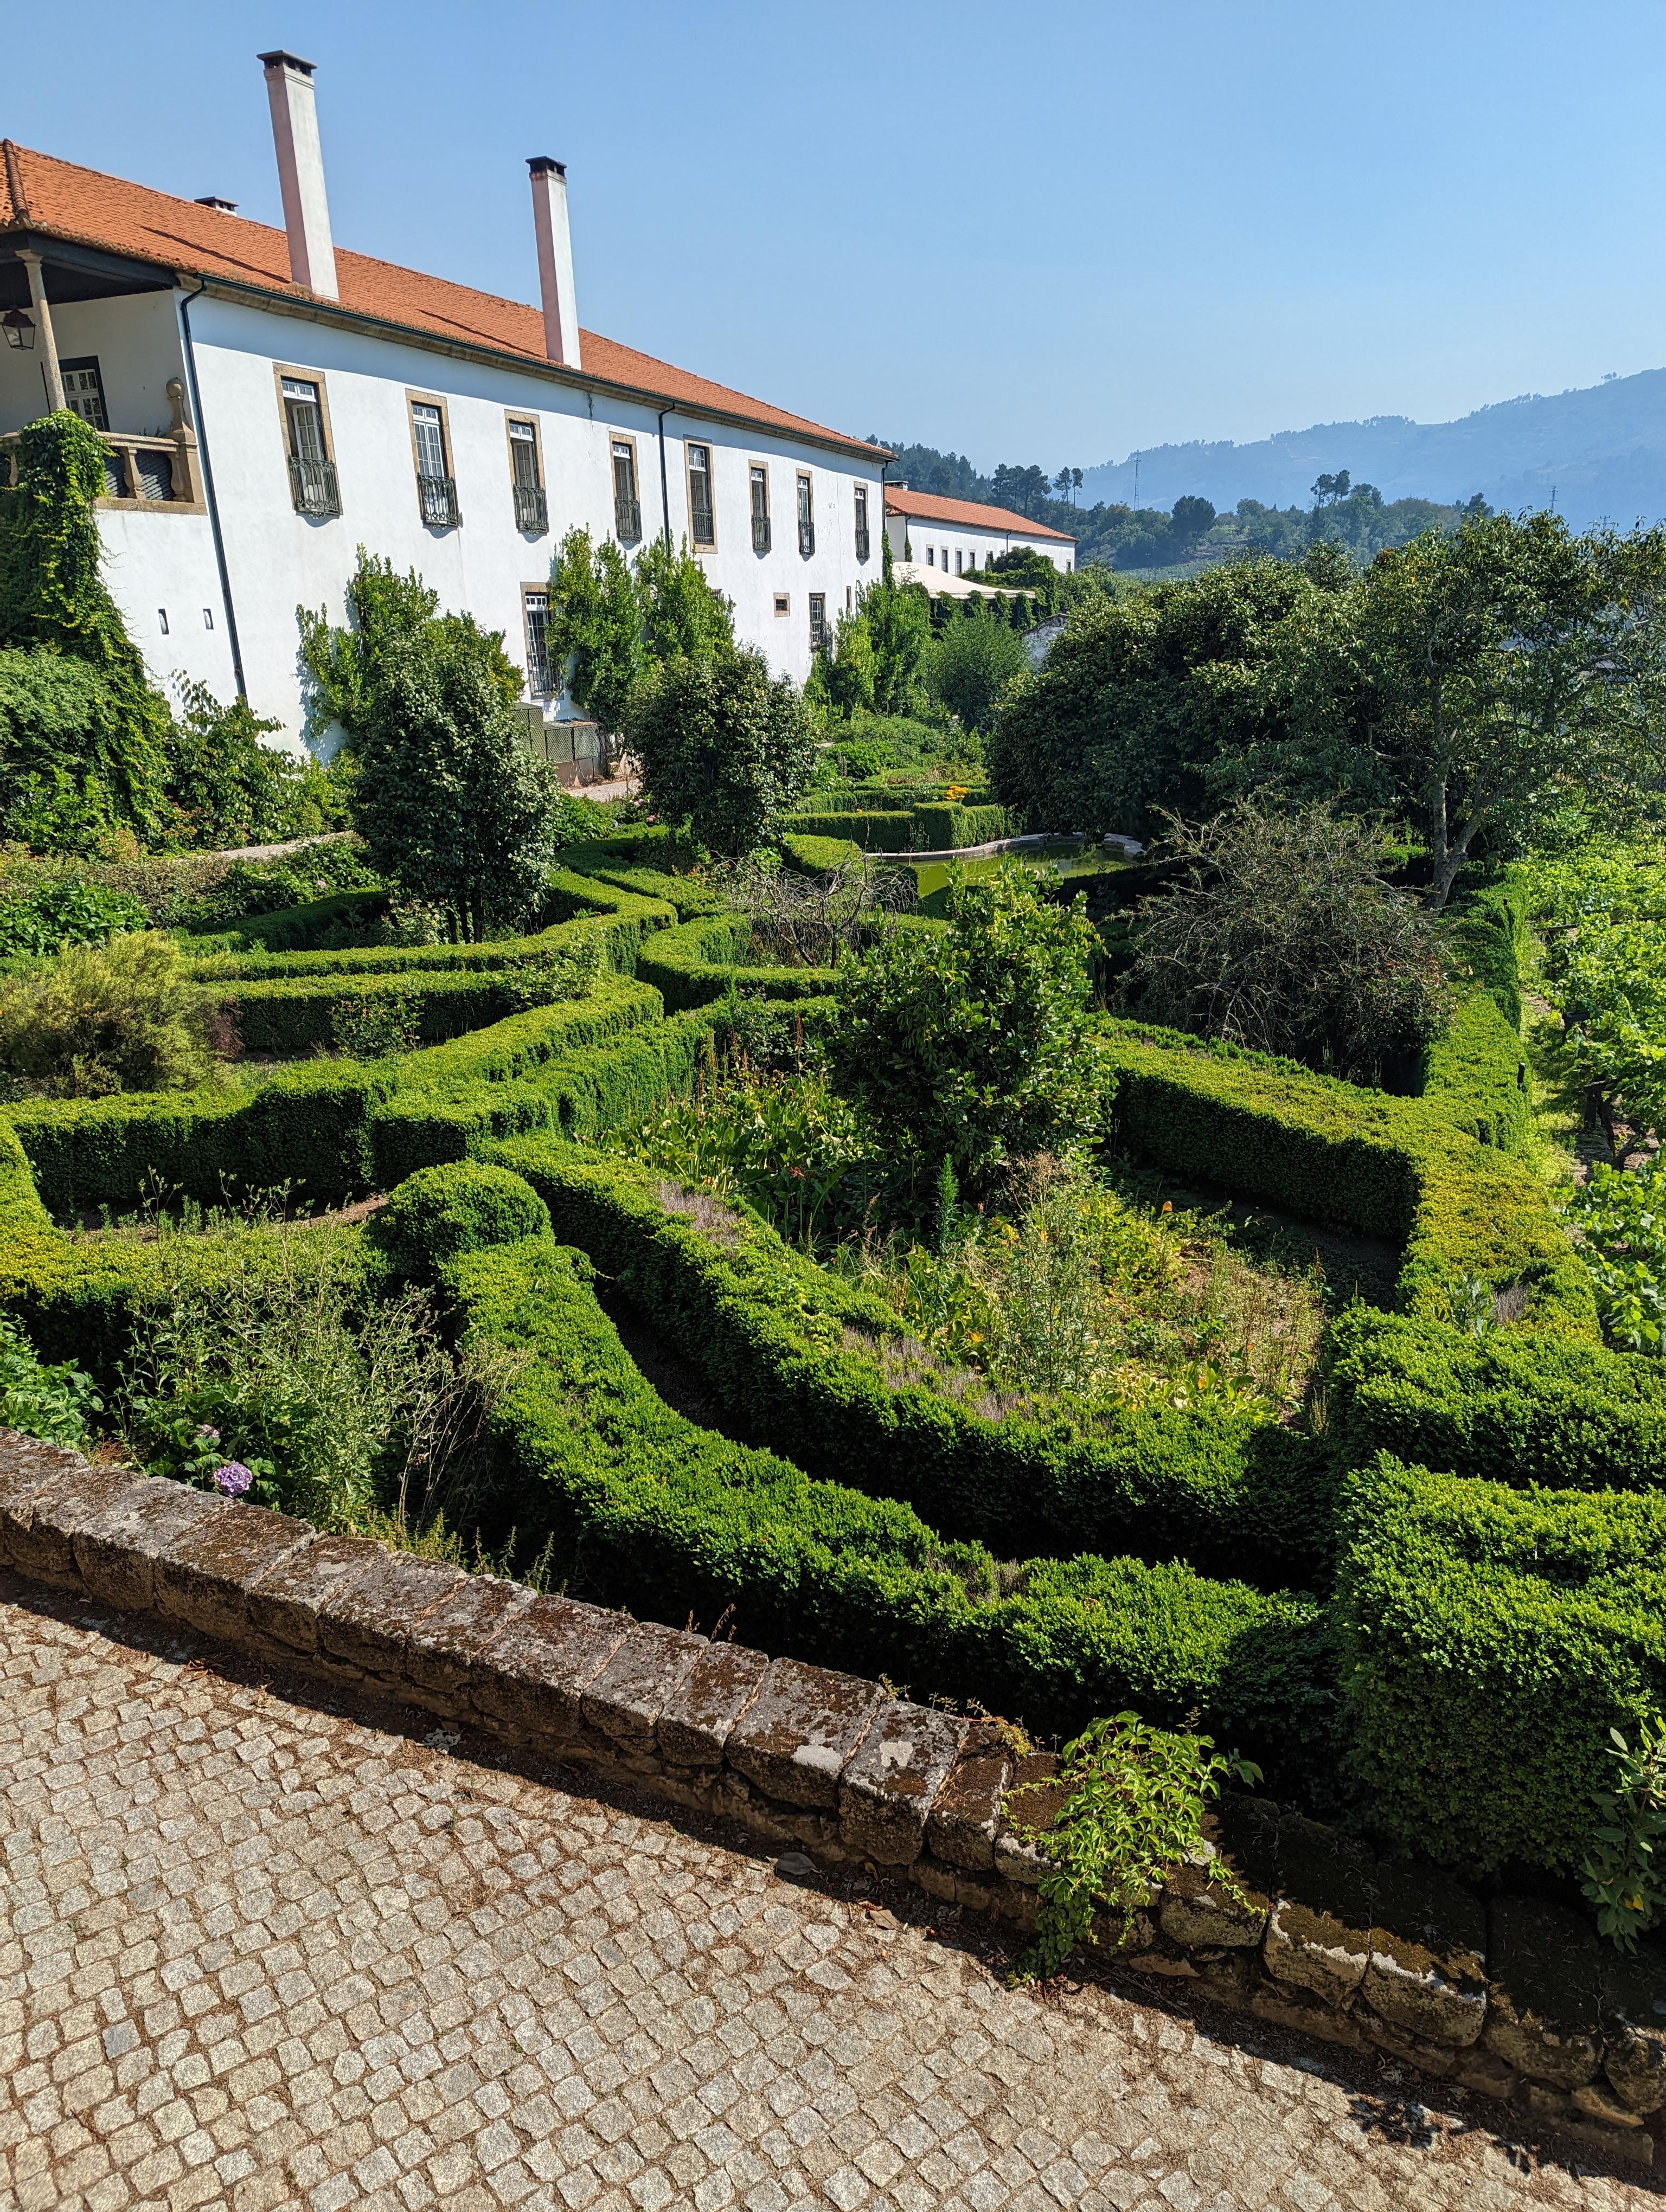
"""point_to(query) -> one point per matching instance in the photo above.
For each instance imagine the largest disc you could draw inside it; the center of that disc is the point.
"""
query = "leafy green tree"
(451, 805)
(384, 611)
(725, 746)
(225, 786)
(970, 1043)
(595, 625)
(974, 660)
(1492, 670)
(53, 600)
(846, 671)
(898, 619)
(681, 614)
(1140, 695)
(1279, 933)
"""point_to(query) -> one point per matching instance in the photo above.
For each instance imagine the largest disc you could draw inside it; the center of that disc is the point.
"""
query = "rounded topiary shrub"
(439, 1213)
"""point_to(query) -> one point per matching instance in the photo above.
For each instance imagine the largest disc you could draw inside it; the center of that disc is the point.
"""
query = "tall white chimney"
(554, 261)
(300, 172)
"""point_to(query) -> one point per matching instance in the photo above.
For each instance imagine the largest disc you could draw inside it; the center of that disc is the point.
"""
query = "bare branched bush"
(806, 922)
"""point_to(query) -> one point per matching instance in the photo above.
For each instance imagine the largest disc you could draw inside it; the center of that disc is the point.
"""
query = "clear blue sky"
(1050, 234)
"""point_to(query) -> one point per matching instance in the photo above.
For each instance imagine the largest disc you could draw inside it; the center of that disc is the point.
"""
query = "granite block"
(702, 1711)
(204, 1580)
(890, 1785)
(450, 1644)
(1427, 1971)
(284, 1603)
(800, 1731)
(117, 1550)
(1544, 2010)
(542, 1660)
(365, 1624)
(960, 1828)
(625, 1700)
(40, 1521)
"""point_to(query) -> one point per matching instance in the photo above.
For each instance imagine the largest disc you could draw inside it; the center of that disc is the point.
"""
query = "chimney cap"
(214, 200)
(279, 58)
(541, 164)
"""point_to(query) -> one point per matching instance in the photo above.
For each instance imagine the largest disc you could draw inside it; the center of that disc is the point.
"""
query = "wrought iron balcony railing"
(437, 497)
(861, 545)
(313, 486)
(532, 509)
(627, 520)
(807, 538)
(760, 533)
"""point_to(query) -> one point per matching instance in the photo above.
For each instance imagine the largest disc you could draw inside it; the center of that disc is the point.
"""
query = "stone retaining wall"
(1514, 1997)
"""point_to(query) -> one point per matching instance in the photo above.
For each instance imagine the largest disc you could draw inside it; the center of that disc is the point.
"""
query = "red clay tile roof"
(40, 193)
(926, 507)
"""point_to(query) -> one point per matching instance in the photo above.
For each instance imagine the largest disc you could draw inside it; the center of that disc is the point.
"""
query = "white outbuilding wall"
(958, 547)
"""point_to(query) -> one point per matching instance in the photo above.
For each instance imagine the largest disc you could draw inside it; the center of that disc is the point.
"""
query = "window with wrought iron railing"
(436, 490)
(806, 517)
(861, 522)
(702, 527)
(313, 485)
(626, 508)
(532, 509)
(760, 510)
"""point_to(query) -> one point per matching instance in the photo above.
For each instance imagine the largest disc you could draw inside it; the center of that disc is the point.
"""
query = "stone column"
(43, 316)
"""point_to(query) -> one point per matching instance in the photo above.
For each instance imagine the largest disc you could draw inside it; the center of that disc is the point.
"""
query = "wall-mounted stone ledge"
(1515, 1999)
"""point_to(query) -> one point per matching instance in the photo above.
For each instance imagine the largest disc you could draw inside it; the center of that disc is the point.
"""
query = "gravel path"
(257, 1952)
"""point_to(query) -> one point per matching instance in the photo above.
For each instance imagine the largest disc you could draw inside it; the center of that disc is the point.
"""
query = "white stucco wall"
(979, 544)
(277, 559)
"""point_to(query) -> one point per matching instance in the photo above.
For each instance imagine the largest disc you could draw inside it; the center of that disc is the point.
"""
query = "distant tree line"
(1355, 516)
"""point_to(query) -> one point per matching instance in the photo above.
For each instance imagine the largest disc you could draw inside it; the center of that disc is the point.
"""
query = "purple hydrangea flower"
(232, 1480)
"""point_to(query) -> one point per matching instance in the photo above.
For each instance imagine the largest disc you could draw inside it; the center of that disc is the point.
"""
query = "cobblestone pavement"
(257, 1954)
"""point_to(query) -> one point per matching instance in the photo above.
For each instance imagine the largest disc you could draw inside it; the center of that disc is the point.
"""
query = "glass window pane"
(430, 441)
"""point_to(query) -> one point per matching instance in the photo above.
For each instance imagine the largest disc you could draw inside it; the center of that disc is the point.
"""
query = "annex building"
(270, 401)
(938, 539)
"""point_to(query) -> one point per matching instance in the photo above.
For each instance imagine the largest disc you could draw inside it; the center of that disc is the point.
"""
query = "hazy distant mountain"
(1602, 452)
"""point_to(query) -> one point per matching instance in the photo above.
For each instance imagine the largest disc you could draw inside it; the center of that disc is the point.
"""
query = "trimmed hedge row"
(1477, 1075)
(1506, 1407)
(1489, 1638)
(619, 931)
(701, 961)
(672, 1520)
(1393, 1168)
(810, 1365)
(936, 829)
(292, 1015)
(290, 928)
(314, 1125)
(816, 856)
(874, 833)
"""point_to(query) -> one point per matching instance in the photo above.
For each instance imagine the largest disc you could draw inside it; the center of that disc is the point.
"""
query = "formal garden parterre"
(1427, 1602)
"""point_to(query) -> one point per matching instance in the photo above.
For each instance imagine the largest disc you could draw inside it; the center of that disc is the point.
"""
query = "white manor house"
(270, 403)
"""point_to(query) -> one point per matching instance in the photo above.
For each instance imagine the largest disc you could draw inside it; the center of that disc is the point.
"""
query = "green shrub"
(703, 961)
(725, 746)
(65, 911)
(1490, 1639)
(224, 787)
(103, 1017)
(970, 1043)
(438, 1213)
(51, 1402)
